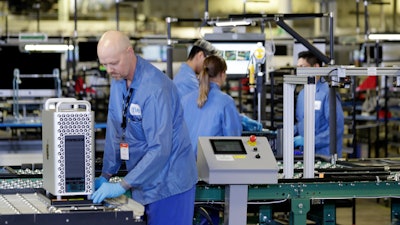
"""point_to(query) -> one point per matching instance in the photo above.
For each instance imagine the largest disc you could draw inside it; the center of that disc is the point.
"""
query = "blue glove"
(250, 124)
(298, 152)
(99, 181)
(108, 190)
(298, 141)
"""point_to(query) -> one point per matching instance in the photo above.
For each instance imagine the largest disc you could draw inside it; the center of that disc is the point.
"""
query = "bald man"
(146, 130)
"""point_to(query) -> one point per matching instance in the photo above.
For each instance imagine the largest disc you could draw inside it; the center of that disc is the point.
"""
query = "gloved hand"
(250, 124)
(298, 152)
(99, 181)
(108, 190)
(298, 141)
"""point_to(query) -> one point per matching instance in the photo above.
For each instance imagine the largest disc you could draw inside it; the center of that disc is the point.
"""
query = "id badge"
(124, 151)
(317, 105)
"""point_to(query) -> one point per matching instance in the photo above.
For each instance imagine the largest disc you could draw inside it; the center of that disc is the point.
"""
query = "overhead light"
(232, 23)
(48, 47)
(387, 37)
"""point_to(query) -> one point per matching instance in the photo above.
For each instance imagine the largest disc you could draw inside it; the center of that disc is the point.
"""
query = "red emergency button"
(253, 138)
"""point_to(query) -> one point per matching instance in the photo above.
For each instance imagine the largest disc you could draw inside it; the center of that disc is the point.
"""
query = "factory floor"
(369, 211)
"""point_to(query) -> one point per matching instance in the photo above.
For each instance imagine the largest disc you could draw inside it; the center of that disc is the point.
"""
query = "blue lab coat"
(186, 80)
(218, 117)
(322, 113)
(161, 160)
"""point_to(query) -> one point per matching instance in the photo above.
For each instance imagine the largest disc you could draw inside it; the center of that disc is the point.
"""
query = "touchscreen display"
(227, 146)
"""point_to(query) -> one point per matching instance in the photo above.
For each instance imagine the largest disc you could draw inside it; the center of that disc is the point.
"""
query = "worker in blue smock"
(208, 111)
(146, 130)
(322, 112)
(187, 81)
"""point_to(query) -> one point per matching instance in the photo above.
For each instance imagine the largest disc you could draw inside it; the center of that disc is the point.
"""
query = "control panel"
(236, 160)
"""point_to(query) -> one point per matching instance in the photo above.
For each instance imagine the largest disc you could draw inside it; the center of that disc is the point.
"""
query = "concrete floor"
(370, 211)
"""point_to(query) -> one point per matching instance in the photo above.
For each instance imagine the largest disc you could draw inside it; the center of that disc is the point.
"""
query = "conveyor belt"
(23, 201)
(32, 206)
(346, 179)
(359, 169)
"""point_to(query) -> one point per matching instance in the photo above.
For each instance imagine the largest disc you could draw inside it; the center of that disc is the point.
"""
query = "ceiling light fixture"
(232, 23)
(48, 47)
(382, 37)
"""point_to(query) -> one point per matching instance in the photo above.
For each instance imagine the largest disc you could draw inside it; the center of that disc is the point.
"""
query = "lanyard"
(124, 111)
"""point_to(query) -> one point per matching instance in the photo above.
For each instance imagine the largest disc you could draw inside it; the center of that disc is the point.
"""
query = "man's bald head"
(116, 54)
(114, 41)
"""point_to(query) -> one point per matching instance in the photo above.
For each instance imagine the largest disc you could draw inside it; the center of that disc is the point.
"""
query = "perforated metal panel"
(68, 151)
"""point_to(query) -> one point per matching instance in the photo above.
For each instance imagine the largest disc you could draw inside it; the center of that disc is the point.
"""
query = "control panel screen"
(227, 146)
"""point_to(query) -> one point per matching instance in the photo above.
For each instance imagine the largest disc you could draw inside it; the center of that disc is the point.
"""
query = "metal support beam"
(266, 214)
(309, 129)
(289, 85)
(302, 40)
(300, 208)
(395, 212)
(347, 71)
(332, 124)
(170, 47)
(288, 130)
(235, 212)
